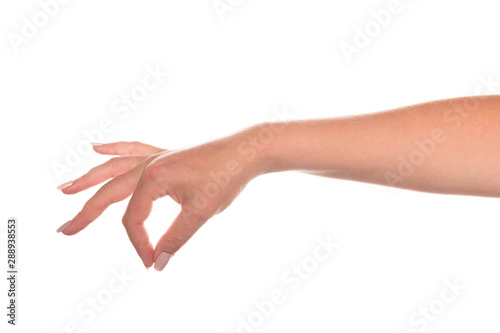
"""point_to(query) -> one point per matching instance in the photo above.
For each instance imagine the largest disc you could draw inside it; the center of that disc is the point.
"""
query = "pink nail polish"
(96, 144)
(61, 228)
(63, 186)
(162, 261)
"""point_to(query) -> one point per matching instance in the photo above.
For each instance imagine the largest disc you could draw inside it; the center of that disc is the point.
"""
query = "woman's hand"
(203, 180)
(448, 146)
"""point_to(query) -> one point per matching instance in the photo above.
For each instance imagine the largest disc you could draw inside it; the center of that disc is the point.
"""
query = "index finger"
(138, 210)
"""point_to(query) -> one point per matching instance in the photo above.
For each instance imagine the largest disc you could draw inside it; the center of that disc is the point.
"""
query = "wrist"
(264, 141)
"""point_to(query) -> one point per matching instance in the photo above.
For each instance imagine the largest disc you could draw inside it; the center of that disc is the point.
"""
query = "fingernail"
(96, 144)
(162, 261)
(67, 184)
(61, 228)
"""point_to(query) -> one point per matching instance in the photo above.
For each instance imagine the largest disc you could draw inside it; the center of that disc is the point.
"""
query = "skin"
(448, 146)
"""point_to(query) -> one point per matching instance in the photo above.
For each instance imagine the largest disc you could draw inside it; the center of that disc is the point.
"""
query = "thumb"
(180, 231)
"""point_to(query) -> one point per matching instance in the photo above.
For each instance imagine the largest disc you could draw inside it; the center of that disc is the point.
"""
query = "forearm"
(449, 146)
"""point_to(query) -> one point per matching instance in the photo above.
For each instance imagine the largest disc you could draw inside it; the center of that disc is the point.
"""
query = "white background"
(397, 248)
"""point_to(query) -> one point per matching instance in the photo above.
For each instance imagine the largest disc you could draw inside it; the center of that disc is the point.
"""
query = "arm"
(450, 146)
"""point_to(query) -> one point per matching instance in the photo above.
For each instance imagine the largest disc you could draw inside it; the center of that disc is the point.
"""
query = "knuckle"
(106, 194)
(137, 146)
(114, 161)
(91, 171)
(200, 209)
(141, 243)
(125, 221)
(153, 171)
(174, 243)
(88, 175)
(106, 188)
(199, 213)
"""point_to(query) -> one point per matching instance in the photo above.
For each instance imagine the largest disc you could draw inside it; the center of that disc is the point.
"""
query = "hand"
(203, 180)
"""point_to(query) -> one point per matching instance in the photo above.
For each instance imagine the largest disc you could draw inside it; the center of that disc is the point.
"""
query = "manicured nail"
(96, 144)
(61, 228)
(63, 186)
(162, 261)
